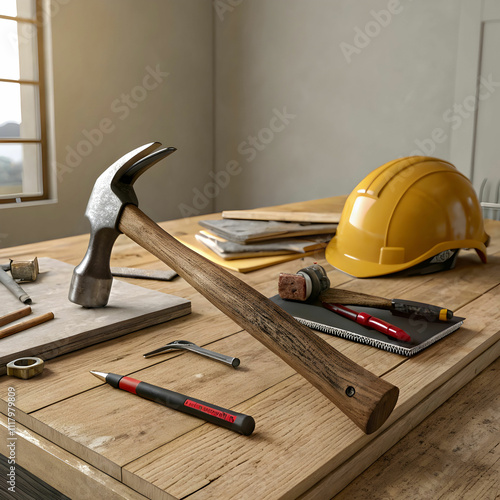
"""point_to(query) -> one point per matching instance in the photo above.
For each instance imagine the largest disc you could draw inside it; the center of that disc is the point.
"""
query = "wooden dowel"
(20, 313)
(26, 324)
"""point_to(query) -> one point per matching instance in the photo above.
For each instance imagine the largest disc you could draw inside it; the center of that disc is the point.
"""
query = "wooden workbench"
(90, 441)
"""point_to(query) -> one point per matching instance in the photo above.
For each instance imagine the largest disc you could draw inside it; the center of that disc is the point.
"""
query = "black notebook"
(422, 332)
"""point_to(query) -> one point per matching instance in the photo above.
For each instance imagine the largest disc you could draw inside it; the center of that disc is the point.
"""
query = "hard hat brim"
(364, 269)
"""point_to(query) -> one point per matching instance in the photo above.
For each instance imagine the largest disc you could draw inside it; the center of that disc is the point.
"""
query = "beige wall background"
(365, 82)
(267, 101)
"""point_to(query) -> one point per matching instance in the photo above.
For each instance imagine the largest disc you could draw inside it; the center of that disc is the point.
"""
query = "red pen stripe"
(211, 411)
(129, 384)
(369, 321)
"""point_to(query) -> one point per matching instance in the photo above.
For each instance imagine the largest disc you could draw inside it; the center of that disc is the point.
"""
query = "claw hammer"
(113, 209)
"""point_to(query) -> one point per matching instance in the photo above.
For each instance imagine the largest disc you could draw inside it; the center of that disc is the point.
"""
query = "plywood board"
(130, 308)
(322, 210)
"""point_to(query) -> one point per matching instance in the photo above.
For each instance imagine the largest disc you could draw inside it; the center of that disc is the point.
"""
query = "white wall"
(101, 51)
(351, 114)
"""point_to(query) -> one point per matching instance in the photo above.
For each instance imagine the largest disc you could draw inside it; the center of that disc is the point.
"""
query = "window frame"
(40, 83)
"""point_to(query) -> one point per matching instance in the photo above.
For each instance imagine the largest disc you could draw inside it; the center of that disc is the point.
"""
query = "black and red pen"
(238, 422)
(369, 321)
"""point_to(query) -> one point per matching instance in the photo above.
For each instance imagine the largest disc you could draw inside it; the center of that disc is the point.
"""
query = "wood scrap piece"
(15, 315)
(146, 274)
(321, 210)
(230, 250)
(20, 327)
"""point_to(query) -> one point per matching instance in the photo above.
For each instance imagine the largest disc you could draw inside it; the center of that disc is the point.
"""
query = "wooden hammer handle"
(365, 398)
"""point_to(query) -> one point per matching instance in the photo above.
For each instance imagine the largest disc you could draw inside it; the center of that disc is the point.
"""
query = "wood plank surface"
(27, 485)
(302, 445)
(65, 472)
(453, 454)
(321, 210)
(349, 470)
(311, 419)
(130, 308)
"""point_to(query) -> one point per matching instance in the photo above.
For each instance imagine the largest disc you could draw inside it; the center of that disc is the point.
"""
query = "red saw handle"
(365, 398)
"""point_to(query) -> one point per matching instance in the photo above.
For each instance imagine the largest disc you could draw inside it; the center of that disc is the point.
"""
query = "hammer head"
(92, 279)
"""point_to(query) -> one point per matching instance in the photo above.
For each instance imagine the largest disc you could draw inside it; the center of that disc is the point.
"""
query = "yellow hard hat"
(405, 212)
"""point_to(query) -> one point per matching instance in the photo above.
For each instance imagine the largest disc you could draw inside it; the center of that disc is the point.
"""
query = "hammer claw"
(118, 170)
(140, 166)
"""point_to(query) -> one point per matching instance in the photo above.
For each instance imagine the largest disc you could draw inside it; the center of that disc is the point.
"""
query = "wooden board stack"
(245, 240)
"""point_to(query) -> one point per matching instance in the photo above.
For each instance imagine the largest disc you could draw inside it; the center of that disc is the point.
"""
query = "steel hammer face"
(113, 190)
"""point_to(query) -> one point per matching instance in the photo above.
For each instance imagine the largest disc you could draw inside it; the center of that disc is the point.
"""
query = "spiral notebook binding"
(380, 344)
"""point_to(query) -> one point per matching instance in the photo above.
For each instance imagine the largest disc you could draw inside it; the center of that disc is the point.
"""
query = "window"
(23, 135)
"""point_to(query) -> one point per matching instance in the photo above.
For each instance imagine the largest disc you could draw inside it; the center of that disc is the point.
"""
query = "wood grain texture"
(28, 486)
(65, 472)
(453, 454)
(337, 480)
(128, 426)
(132, 308)
(371, 400)
(348, 297)
(290, 455)
(317, 429)
(322, 210)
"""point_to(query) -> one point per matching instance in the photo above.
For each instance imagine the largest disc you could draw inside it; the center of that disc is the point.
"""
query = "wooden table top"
(88, 440)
